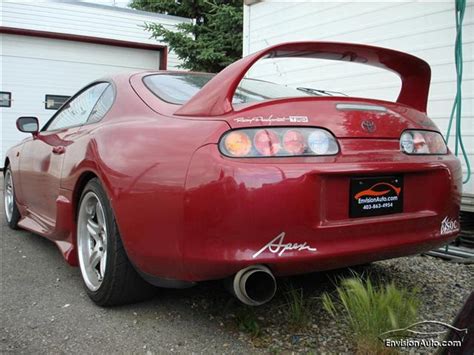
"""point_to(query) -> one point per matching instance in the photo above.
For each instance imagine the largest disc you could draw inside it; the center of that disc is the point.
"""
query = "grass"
(298, 310)
(371, 310)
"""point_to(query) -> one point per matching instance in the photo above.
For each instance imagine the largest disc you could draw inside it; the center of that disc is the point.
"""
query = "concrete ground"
(44, 309)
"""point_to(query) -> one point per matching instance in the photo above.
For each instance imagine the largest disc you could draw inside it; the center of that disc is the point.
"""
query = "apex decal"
(276, 246)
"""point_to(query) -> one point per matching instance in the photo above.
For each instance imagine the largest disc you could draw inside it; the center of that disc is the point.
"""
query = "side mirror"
(28, 125)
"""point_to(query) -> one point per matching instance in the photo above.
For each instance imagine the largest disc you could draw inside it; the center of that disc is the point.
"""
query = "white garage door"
(33, 67)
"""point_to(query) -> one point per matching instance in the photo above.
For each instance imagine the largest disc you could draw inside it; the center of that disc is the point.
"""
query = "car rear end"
(299, 181)
(366, 195)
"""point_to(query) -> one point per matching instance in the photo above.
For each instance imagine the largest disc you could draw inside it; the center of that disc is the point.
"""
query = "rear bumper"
(234, 208)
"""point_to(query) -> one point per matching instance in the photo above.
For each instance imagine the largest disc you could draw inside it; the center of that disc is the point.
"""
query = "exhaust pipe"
(254, 285)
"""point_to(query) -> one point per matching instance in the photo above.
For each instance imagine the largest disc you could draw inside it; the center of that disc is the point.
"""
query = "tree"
(211, 42)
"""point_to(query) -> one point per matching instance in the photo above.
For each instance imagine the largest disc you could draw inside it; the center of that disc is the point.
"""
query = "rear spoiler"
(215, 98)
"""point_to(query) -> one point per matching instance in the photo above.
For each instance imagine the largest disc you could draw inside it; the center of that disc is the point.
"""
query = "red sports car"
(171, 178)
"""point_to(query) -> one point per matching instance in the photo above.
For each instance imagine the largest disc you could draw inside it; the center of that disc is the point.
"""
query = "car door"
(42, 157)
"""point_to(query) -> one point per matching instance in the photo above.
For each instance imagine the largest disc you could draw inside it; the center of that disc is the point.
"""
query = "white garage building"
(423, 28)
(49, 50)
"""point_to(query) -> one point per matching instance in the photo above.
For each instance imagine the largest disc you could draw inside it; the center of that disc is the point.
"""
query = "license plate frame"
(375, 195)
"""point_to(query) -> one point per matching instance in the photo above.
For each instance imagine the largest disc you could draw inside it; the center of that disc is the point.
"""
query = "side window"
(54, 102)
(5, 99)
(77, 111)
(103, 105)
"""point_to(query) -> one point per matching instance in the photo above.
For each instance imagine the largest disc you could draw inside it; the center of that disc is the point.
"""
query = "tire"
(12, 214)
(109, 277)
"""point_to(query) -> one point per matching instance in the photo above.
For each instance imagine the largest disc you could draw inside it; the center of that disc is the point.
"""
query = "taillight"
(294, 142)
(278, 142)
(422, 142)
(267, 142)
(319, 142)
(238, 144)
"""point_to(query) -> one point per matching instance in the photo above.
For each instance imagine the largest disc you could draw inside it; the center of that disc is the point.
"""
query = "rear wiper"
(320, 92)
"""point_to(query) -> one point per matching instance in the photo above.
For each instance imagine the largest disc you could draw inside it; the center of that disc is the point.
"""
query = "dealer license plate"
(376, 196)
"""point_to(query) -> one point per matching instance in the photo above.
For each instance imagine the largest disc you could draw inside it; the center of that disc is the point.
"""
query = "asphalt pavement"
(44, 309)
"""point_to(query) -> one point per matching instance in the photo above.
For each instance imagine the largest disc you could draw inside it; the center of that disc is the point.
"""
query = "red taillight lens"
(267, 142)
(278, 142)
(294, 142)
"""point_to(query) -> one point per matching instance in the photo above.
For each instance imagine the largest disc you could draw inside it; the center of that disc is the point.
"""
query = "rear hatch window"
(180, 87)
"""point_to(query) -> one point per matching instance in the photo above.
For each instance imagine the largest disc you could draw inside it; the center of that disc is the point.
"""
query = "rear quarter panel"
(141, 159)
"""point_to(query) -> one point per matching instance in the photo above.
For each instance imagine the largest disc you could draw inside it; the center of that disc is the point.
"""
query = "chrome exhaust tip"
(254, 285)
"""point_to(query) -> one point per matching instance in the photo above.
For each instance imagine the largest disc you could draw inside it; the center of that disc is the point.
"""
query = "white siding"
(86, 19)
(423, 28)
(32, 67)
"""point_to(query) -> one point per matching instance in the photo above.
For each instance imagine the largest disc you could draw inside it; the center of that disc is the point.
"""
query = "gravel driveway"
(44, 308)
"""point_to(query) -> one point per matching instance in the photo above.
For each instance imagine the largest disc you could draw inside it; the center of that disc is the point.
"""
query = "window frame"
(73, 97)
(9, 99)
(56, 109)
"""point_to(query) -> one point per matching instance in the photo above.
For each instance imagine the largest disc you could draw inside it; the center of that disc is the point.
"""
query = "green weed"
(371, 310)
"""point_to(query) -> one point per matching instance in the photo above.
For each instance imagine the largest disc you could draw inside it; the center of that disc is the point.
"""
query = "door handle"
(59, 149)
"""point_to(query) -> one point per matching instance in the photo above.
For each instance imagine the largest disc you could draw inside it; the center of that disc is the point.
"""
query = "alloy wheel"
(92, 240)
(8, 195)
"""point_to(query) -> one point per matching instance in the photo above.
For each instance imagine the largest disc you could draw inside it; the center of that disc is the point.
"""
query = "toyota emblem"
(368, 126)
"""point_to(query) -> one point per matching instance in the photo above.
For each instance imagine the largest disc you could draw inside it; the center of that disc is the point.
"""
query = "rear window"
(179, 88)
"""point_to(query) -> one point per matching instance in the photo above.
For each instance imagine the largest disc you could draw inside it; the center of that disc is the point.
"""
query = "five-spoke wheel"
(8, 195)
(92, 240)
(12, 213)
(109, 276)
